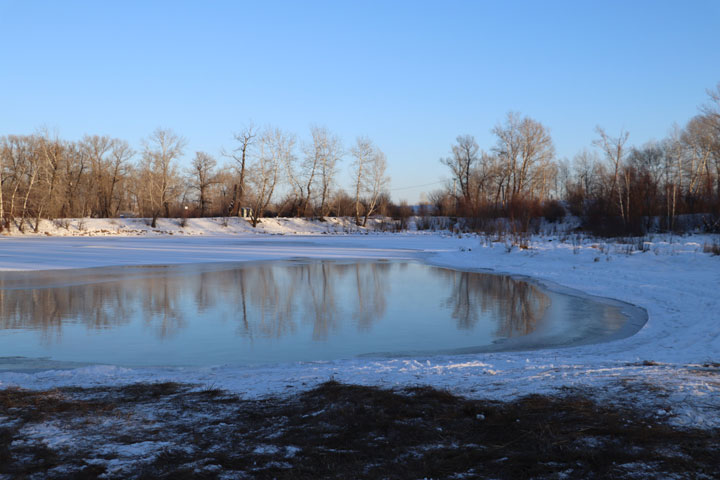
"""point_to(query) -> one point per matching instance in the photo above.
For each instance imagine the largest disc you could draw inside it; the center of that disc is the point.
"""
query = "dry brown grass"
(343, 431)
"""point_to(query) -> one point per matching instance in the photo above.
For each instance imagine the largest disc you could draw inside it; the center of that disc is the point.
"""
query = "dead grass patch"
(340, 431)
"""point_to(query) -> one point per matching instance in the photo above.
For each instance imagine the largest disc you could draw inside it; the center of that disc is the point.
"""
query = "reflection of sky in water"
(205, 315)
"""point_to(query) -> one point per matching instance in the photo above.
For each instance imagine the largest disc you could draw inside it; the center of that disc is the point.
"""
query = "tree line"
(614, 188)
(268, 171)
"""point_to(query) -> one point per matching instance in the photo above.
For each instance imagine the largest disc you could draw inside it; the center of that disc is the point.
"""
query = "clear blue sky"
(411, 75)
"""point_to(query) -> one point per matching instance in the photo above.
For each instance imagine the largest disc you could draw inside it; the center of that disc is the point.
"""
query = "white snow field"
(671, 366)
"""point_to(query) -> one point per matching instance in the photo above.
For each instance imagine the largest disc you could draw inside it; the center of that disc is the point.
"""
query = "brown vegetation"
(629, 190)
(338, 431)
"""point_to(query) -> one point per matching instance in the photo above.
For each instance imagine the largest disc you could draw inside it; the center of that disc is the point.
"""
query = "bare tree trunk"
(308, 194)
(234, 205)
(31, 182)
(358, 184)
(11, 216)
(323, 198)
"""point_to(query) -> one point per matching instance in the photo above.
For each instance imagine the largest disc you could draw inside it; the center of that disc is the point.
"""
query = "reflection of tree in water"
(516, 304)
(280, 294)
(97, 306)
(160, 305)
(320, 306)
(257, 297)
(272, 298)
(371, 282)
(265, 300)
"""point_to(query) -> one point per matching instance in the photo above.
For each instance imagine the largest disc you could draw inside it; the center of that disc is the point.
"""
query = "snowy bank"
(211, 226)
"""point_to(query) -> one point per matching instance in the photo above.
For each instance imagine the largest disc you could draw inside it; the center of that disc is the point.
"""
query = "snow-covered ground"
(672, 366)
(128, 227)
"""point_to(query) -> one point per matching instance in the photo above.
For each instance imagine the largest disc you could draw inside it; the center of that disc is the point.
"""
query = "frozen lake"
(304, 310)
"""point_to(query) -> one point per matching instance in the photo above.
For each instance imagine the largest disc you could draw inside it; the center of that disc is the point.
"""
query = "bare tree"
(672, 169)
(614, 149)
(221, 193)
(118, 169)
(461, 163)
(370, 180)
(4, 152)
(96, 148)
(711, 112)
(327, 150)
(245, 138)
(74, 181)
(362, 153)
(525, 149)
(203, 176)
(699, 141)
(318, 169)
(312, 162)
(274, 149)
(24, 162)
(52, 156)
(583, 164)
(376, 182)
(14, 152)
(295, 198)
(161, 149)
(343, 205)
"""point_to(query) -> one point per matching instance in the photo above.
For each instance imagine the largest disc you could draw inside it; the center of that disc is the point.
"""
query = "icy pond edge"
(635, 317)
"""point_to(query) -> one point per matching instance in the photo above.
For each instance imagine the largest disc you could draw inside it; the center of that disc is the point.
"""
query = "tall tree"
(614, 149)
(524, 148)
(161, 149)
(309, 168)
(4, 152)
(362, 153)
(369, 176)
(203, 176)
(96, 148)
(698, 139)
(711, 112)
(274, 149)
(462, 161)
(376, 182)
(52, 156)
(327, 149)
(245, 140)
(118, 168)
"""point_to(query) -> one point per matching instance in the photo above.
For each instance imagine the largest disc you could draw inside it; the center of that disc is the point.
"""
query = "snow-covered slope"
(74, 227)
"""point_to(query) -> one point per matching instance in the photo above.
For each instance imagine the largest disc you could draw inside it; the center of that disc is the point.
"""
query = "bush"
(553, 211)
(712, 248)
(711, 224)
(424, 223)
